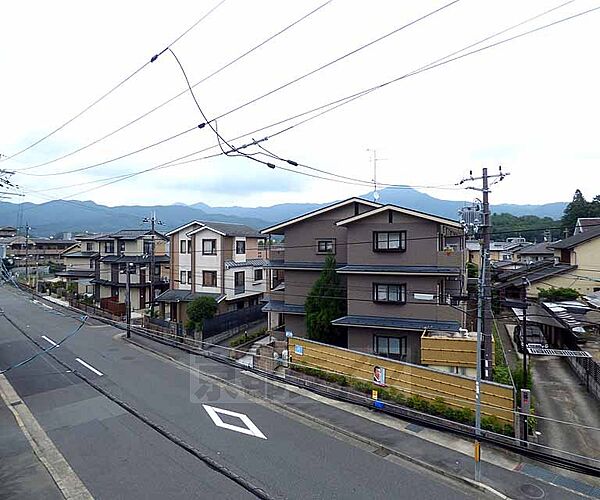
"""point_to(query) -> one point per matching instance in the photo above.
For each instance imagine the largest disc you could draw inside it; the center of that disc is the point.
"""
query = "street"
(116, 455)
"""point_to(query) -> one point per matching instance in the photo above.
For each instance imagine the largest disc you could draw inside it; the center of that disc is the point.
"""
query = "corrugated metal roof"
(247, 263)
(186, 296)
(281, 307)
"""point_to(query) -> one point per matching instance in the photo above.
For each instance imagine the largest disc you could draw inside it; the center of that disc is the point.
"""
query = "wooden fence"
(456, 390)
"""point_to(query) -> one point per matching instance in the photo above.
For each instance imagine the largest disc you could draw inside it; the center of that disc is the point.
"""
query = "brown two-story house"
(403, 271)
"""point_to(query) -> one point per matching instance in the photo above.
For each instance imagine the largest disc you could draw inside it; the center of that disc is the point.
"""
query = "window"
(384, 241)
(183, 246)
(109, 247)
(390, 347)
(209, 278)
(239, 279)
(182, 278)
(157, 270)
(240, 247)
(325, 246)
(121, 246)
(384, 292)
(189, 277)
(258, 274)
(89, 246)
(209, 247)
(147, 247)
(189, 245)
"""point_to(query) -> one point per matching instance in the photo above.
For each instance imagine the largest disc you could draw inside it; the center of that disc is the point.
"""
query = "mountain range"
(75, 216)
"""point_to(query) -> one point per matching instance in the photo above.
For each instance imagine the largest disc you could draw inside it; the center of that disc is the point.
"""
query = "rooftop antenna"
(374, 161)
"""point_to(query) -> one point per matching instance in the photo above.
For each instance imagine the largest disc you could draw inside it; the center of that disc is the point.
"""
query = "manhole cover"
(532, 491)
(382, 452)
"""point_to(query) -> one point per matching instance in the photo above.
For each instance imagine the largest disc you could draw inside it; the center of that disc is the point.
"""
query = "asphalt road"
(118, 456)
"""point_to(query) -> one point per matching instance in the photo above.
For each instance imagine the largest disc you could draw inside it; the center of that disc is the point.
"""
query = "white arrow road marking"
(250, 428)
(89, 367)
(49, 340)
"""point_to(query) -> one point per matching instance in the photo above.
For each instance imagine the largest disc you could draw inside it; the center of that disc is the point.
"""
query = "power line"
(105, 95)
(345, 100)
(168, 101)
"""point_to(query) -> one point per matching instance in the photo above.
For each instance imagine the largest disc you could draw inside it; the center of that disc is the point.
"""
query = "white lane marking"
(49, 340)
(250, 428)
(89, 367)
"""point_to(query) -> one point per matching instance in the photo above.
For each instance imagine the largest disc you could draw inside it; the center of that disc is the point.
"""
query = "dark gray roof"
(577, 239)
(134, 234)
(232, 229)
(136, 259)
(537, 249)
(281, 307)
(397, 323)
(76, 273)
(308, 266)
(249, 262)
(587, 223)
(185, 296)
(379, 269)
(538, 274)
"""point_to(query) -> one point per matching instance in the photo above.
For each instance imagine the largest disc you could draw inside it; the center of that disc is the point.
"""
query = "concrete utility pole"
(129, 268)
(524, 341)
(488, 345)
(152, 220)
(27, 253)
(480, 301)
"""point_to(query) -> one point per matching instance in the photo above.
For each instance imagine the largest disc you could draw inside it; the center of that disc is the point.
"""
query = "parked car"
(535, 337)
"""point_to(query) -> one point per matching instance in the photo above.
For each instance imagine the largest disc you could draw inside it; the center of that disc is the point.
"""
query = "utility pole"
(27, 252)
(480, 310)
(525, 389)
(152, 220)
(129, 268)
(486, 232)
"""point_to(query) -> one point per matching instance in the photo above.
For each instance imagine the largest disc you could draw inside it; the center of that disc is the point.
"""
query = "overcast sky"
(530, 105)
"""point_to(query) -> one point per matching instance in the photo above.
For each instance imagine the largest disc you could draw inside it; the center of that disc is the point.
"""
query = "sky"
(529, 105)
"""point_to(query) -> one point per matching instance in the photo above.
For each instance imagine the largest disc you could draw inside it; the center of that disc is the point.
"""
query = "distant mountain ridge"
(59, 215)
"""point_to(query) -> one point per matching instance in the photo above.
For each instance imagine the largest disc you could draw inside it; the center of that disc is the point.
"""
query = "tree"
(199, 310)
(325, 302)
(578, 208)
(553, 293)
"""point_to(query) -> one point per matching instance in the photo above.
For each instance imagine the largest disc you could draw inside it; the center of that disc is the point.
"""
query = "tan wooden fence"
(456, 390)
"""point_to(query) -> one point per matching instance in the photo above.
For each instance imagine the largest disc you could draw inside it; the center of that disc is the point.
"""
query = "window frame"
(236, 285)
(262, 277)
(402, 293)
(239, 243)
(402, 351)
(182, 280)
(214, 246)
(189, 277)
(89, 246)
(402, 241)
(182, 247)
(189, 246)
(320, 251)
(205, 282)
(109, 247)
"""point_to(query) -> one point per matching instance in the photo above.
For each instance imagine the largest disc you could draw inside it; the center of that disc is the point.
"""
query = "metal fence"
(232, 320)
(588, 371)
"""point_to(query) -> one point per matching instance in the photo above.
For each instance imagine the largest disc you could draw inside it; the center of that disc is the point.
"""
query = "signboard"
(379, 375)
(525, 401)
(374, 394)
(299, 350)
(289, 334)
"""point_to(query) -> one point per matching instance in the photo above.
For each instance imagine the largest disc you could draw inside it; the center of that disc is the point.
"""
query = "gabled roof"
(586, 223)
(319, 211)
(402, 210)
(184, 226)
(537, 249)
(577, 239)
(227, 229)
(134, 234)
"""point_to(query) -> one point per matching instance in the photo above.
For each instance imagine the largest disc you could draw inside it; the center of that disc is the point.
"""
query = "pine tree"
(325, 302)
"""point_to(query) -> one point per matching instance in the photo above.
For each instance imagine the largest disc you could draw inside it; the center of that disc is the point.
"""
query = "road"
(116, 455)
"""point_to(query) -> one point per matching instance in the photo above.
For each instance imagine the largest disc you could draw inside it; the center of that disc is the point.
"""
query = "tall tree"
(578, 208)
(325, 302)
(199, 310)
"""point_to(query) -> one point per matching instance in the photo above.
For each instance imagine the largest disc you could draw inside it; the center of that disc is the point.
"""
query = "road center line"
(49, 340)
(89, 367)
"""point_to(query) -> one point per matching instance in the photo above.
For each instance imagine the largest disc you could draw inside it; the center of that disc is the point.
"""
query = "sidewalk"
(22, 475)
